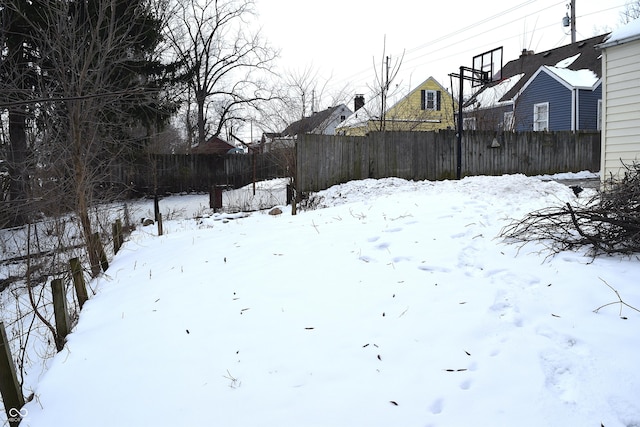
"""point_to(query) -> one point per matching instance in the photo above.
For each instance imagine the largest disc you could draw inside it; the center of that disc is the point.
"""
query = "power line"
(460, 31)
(360, 76)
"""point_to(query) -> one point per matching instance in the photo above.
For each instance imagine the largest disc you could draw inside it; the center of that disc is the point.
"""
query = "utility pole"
(573, 21)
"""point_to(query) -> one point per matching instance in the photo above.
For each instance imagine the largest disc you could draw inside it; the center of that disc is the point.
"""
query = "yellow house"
(428, 107)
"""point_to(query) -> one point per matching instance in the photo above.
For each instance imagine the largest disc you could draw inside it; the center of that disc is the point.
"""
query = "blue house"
(559, 99)
(556, 90)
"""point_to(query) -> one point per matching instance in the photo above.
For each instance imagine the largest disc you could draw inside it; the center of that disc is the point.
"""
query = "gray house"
(559, 89)
(321, 123)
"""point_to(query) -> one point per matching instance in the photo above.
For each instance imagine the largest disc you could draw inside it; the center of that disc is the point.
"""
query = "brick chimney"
(526, 52)
(358, 102)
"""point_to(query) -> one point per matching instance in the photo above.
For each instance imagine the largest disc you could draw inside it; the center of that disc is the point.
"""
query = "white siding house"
(620, 100)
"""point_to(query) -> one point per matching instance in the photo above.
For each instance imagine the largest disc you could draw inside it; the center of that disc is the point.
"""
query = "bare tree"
(95, 91)
(631, 11)
(383, 81)
(227, 64)
(301, 92)
(16, 82)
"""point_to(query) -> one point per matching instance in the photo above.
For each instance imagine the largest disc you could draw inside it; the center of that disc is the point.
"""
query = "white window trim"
(434, 100)
(537, 121)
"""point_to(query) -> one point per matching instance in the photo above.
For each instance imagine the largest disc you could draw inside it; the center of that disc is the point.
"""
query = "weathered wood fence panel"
(167, 173)
(323, 161)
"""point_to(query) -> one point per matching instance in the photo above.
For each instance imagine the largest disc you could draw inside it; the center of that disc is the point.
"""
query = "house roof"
(584, 79)
(371, 111)
(418, 88)
(213, 145)
(581, 55)
(311, 123)
(624, 34)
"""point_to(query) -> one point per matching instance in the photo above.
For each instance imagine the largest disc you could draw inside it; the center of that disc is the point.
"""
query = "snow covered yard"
(392, 304)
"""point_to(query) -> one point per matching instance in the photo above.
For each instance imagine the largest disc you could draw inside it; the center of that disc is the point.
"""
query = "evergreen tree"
(17, 80)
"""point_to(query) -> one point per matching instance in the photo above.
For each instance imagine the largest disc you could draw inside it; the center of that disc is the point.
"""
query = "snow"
(393, 303)
(491, 95)
(567, 61)
(575, 78)
(358, 118)
(627, 32)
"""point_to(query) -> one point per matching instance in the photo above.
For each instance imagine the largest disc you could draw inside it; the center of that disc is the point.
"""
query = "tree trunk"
(18, 164)
(82, 184)
(17, 131)
(92, 247)
(201, 130)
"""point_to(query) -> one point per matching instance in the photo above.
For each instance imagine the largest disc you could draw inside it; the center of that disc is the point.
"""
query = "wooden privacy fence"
(323, 161)
(174, 173)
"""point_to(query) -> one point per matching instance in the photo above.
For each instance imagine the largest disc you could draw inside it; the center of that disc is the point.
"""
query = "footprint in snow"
(466, 384)
(433, 268)
(437, 406)
(393, 230)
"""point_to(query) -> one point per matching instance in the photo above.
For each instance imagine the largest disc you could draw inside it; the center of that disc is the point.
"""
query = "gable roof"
(581, 79)
(313, 122)
(370, 112)
(581, 55)
(428, 82)
(213, 145)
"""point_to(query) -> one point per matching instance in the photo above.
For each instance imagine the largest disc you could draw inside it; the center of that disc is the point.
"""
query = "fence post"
(118, 239)
(215, 197)
(78, 281)
(156, 207)
(60, 312)
(104, 262)
(160, 224)
(9, 386)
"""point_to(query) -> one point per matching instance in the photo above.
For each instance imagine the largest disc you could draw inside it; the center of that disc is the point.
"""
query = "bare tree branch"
(210, 38)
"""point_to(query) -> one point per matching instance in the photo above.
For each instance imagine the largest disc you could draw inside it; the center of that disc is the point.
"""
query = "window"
(599, 123)
(541, 117)
(508, 122)
(469, 123)
(431, 100)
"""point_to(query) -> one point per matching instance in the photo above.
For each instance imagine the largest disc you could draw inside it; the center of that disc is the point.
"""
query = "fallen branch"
(620, 301)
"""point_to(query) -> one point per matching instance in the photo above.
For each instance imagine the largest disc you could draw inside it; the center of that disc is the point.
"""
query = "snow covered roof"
(491, 96)
(369, 111)
(567, 61)
(581, 55)
(575, 78)
(624, 34)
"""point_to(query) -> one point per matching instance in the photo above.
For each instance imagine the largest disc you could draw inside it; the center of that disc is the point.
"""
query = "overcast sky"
(341, 38)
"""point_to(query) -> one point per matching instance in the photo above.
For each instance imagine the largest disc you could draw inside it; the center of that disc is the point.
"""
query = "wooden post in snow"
(60, 312)
(104, 262)
(9, 386)
(78, 281)
(118, 238)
